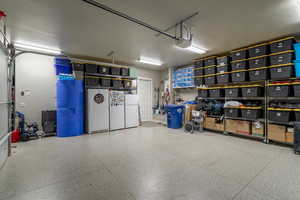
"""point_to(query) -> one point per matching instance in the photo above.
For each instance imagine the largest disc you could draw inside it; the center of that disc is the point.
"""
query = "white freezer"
(98, 110)
(117, 110)
(131, 111)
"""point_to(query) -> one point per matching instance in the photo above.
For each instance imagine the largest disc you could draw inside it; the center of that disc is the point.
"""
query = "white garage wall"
(35, 74)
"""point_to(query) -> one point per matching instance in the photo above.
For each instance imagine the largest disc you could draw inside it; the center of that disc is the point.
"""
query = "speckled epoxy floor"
(150, 163)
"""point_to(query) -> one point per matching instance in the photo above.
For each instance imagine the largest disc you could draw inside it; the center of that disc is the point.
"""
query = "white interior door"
(145, 98)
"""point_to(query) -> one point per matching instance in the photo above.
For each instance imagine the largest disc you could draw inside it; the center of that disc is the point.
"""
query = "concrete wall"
(35, 74)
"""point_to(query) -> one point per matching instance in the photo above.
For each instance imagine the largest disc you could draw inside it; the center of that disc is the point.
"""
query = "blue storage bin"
(174, 115)
(297, 50)
(63, 69)
(297, 68)
(62, 61)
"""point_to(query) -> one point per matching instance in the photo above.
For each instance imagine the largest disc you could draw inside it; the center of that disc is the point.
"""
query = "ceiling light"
(34, 47)
(196, 49)
(149, 61)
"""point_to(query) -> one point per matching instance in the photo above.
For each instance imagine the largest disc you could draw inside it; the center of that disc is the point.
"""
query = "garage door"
(3, 107)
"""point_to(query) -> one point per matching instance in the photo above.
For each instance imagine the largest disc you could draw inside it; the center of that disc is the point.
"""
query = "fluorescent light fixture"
(196, 49)
(149, 61)
(38, 48)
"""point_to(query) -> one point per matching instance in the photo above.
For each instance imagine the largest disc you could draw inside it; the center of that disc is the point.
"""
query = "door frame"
(151, 92)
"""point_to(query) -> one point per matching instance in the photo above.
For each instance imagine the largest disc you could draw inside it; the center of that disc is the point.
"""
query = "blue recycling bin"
(174, 115)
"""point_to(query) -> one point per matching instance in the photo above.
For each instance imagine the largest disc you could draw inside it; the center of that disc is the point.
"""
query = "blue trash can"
(174, 115)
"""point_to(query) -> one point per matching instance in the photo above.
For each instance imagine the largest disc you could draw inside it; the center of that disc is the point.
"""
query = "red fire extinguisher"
(2, 14)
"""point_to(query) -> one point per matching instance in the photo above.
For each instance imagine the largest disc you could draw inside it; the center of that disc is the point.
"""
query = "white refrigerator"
(131, 110)
(97, 110)
(117, 111)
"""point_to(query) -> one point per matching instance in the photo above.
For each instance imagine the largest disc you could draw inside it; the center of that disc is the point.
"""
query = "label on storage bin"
(257, 62)
(238, 54)
(256, 73)
(280, 59)
(248, 90)
(280, 45)
(257, 50)
(279, 70)
(238, 75)
(278, 114)
(231, 111)
(278, 88)
(248, 112)
(230, 91)
(179, 110)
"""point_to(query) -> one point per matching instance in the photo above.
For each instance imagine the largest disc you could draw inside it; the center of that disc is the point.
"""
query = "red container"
(15, 136)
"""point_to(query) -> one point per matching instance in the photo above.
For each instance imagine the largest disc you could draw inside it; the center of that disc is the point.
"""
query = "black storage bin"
(223, 69)
(203, 93)
(282, 72)
(283, 58)
(279, 116)
(239, 77)
(117, 84)
(232, 112)
(211, 80)
(103, 69)
(127, 84)
(209, 70)
(115, 71)
(239, 54)
(49, 121)
(258, 62)
(216, 93)
(78, 67)
(198, 81)
(92, 82)
(198, 64)
(91, 68)
(223, 78)
(258, 75)
(258, 50)
(232, 92)
(239, 65)
(210, 61)
(105, 82)
(279, 90)
(198, 72)
(282, 45)
(224, 60)
(297, 115)
(252, 91)
(251, 113)
(125, 71)
(296, 89)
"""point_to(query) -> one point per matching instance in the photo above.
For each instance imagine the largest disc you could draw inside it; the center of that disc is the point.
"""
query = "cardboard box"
(258, 129)
(188, 111)
(238, 126)
(289, 135)
(213, 124)
(276, 132)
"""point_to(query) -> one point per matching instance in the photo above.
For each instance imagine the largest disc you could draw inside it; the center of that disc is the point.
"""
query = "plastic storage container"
(297, 67)
(280, 115)
(211, 80)
(223, 60)
(282, 72)
(103, 69)
(239, 76)
(203, 93)
(258, 62)
(296, 89)
(251, 113)
(258, 50)
(210, 61)
(127, 84)
(232, 112)
(240, 65)
(239, 54)
(258, 75)
(216, 93)
(222, 69)
(92, 82)
(115, 71)
(174, 116)
(279, 90)
(198, 72)
(78, 67)
(252, 91)
(280, 45)
(209, 70)
(297, 115)
(125, 71)
(198, 81)
(232, 92)
(223, 78)
(198, 64)
(282, 58)
(117, 84)
(105, 82)
(91, 68)
(297, 50)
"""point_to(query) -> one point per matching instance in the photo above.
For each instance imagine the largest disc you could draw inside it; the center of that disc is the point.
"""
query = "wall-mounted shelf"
(110, 76)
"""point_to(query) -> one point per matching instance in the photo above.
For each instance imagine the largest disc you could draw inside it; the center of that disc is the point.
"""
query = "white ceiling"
(77, 28)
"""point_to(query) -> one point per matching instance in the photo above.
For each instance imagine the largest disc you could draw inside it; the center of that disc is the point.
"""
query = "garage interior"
(149, 100)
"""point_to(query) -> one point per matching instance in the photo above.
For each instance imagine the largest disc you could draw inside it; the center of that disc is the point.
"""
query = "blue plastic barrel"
(70, 108)
(297, 67)
(63, 66)
(174, 115)
(297, 50)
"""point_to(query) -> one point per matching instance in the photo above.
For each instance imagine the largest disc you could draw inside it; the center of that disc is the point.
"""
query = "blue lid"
(174, 106)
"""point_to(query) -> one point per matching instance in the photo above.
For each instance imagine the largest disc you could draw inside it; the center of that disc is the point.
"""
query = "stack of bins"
(198, 73)
(223, 66)
(258, 62)
(70, 108)
(297, 61)
(281, 58)
(210, 70)
(239, 65)
(63, 66)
